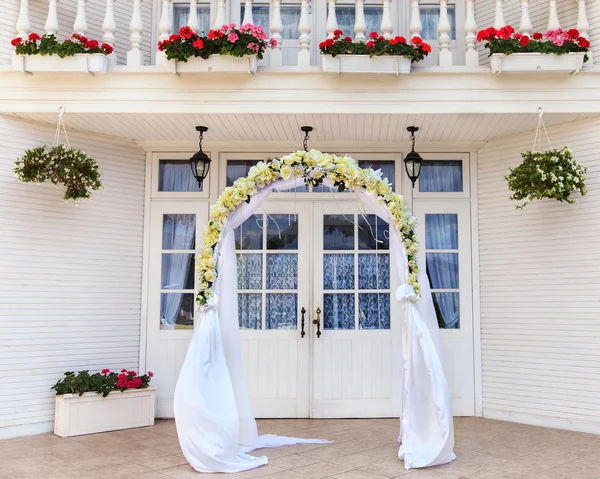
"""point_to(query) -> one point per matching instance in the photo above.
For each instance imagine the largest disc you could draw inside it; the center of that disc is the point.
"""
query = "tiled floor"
(363, 448)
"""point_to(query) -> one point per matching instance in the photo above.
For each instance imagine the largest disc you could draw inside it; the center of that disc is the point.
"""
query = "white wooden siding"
(539, 11)
(70, 277)
(540, 276)
(67, 10)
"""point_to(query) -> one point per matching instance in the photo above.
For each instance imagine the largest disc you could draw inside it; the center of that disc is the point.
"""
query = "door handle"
(318, 322)
(302, 333)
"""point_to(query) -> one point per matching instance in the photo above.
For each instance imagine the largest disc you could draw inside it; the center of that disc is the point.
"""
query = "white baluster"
(166, 24)
(80, 26)
(445, 55)
(220, 16)
(360, 24)
(276, 26)
(193, 22)
(416, 26)
(332, 24)
(499, 16)
(304, 39)
(134, 56)
(109, 27)
(248, 18)
(583, 25)
(23, 23)
(471, 56)
(553, 22)
(52, 26)
(387, 29)
(525, 27)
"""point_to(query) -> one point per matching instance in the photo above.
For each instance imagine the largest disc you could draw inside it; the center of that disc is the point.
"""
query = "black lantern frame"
(200, 162)
(413, 161)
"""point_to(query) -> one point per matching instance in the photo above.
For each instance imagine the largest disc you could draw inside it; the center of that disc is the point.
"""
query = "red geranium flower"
(105, 371)
(416, 40)
(199, 44)
(373, 35)
(583, 42)
(426, 47)
(186, 32)
(123, 370)
(81, 38)
(573, 33)
(348, 40)
(33, 37)
(107, 48)
(16, 41)
(537, 36)
(132, 373)
(150, 374)
(338, 33)
(524, 40)
(174, 37)
(370, 44)
(92, 44)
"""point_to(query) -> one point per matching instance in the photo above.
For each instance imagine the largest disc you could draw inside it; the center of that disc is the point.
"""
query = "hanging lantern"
(200, 162)
(413, 160)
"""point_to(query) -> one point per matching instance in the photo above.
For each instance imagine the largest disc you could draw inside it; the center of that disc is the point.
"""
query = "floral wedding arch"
(215, 423)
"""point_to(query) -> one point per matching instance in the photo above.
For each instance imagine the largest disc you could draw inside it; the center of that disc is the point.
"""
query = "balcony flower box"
(81, 62)
(91, 413)
(215, 64)
(537, 62)
(389, 64)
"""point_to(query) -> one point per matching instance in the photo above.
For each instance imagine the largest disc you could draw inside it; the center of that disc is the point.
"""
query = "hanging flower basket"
(229, 49)
(556, 51)
(47, 54)
(378, 55)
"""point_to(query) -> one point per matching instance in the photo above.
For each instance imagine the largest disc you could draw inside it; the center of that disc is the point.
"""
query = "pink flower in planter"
(253, 46)
(233, 37)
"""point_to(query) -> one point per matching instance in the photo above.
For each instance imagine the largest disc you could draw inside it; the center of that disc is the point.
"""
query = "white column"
(499, 16)
(80, 26)
(23, 23)
(248, 18)
(134, 56)
(471, 56)
(304, 40)
(445, 55)
(360, 24)
(109, 27)
(553, 22)
(276, 26)
(387, 29)
(583, 25)
(220, 16)
(193, 17)
(525, 27)
(416, 26)
(165, 24)
(332, 24)
(52, 26)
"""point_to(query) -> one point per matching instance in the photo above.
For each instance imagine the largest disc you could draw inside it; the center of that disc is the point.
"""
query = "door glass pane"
(442, 270)
(430, 17)
(338, 271)
(338, 232)
(181, 14)
(346, 17)
(282, 311)
(176, 175)
(249, 271)
(176, 311)
(447, 308)
(374, 310)
(338, 311)
(373, 271)
(177, 271)
(282, 271)
(373, 233)
(441, 231)
(250, 310)
(282, 232)
(441, 176)
(249, 235)
(179, 232)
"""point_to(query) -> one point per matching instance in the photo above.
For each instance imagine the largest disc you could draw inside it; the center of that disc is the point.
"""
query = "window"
(430, 18)
(441, 176)
(240, 168)
(290, 16)
(346, 18)
(176, 175)
(181, 14)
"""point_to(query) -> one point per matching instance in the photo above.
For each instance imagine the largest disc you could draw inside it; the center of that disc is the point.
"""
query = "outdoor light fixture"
(306, 130)
(413, 160)
(200, 162)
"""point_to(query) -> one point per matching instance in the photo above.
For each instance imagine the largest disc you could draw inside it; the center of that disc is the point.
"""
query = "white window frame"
(465, 194)
(179, 195)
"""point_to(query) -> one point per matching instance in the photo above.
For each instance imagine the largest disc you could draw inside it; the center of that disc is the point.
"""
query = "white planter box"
(216, 63)
(387, 64)
(536, 62)
(91, 413)
(81, 62)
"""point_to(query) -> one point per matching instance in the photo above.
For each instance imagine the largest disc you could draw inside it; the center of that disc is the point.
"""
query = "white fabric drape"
(214, 419)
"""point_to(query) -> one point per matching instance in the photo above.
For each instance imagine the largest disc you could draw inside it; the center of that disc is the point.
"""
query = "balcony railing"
(305, 51)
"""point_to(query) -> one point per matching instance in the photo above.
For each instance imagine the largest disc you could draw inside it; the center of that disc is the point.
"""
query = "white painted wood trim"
(145, 265)
(466, 166)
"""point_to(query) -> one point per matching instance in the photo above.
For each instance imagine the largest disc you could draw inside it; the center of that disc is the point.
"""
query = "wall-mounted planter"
(536, 62)
(385, 64)
(215, 64)
(76, 415)
(81, 62)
